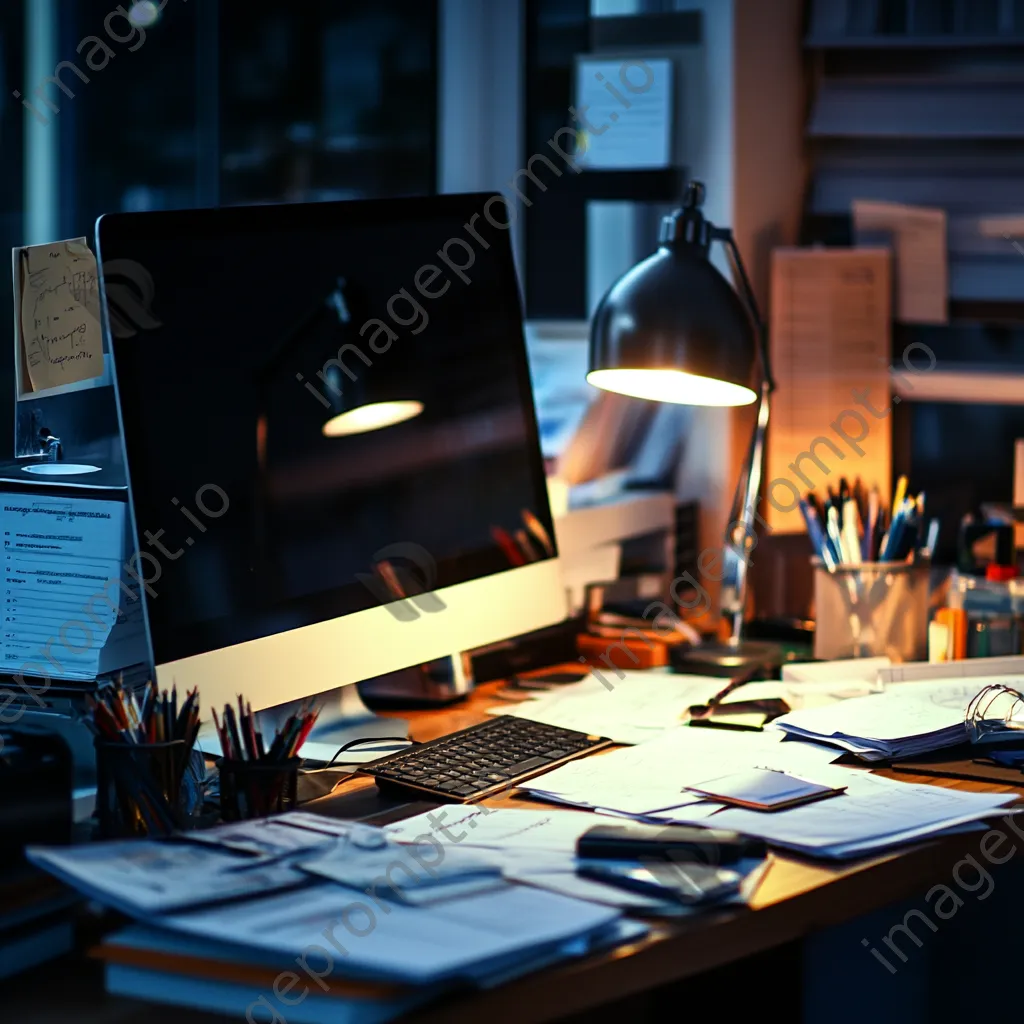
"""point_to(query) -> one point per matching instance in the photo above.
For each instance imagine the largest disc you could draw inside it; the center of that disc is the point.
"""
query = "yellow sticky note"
(60, 335)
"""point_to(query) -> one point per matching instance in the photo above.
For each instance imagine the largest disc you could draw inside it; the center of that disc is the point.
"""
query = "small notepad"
(760, 789)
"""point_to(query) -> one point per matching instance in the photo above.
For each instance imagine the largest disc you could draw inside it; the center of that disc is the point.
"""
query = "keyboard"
(480, 761)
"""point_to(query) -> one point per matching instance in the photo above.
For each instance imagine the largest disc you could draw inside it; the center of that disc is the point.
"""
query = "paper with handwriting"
(59, 324)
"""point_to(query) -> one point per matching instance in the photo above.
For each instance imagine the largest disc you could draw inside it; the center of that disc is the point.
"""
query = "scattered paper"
(143, 877)
(57, 314)
(651, 777)
(503, 827)
(922, 263)
(636, 707)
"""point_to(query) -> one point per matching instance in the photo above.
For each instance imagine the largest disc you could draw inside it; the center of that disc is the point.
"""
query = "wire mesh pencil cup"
(996, 714)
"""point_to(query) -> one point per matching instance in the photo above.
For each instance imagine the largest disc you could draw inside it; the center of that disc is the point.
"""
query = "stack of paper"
(900, 723)
(874, 814)
(71, 609)
(274, 912)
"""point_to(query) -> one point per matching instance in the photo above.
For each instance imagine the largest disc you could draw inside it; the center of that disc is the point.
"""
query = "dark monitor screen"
(255, 327)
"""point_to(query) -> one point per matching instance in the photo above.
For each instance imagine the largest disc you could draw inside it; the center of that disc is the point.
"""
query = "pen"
(817, 538)
(894, 538)
(834, 534)
(901, 491)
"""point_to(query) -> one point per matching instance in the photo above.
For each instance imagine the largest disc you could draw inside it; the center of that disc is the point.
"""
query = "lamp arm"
(740, 536)
(725, 236)
(740, 533)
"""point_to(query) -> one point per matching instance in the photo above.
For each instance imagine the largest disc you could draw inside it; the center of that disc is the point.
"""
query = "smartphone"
(687, 883)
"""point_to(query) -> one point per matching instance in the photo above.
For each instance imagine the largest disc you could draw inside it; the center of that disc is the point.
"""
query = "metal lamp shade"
(672, 329)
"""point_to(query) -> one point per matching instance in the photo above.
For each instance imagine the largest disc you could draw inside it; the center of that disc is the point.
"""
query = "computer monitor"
(329, 407)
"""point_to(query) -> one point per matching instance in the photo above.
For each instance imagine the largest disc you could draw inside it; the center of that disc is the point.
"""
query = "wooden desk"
(796, 899)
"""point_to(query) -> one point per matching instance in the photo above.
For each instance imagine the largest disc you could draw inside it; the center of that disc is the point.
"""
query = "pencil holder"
(138, 788)
(872, 609)
(256, 789)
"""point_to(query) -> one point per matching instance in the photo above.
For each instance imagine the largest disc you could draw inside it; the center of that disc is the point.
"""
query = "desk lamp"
(672, 329)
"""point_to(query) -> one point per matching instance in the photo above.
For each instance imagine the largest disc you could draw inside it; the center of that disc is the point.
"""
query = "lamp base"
(729, 660)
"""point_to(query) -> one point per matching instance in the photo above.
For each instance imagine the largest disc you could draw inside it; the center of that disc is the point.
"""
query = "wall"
(710, 465)
(744, 126)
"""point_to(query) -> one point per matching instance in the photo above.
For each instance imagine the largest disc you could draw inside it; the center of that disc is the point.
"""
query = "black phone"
(672, 842)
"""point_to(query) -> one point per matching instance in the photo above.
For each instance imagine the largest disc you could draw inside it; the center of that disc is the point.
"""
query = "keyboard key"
(528, 765)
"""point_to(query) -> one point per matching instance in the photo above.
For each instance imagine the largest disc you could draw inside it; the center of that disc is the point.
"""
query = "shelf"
(989, 387)
(906, 42)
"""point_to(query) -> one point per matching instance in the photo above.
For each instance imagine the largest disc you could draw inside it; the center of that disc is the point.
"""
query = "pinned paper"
(57, 314)
(922, 260)
(831, 355)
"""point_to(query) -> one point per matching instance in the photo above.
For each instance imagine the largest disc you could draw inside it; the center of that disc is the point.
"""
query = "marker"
(851, 540)
(874, 504)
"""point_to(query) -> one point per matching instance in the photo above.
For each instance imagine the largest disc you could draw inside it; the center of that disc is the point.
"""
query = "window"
(170, 104)
(245, 101)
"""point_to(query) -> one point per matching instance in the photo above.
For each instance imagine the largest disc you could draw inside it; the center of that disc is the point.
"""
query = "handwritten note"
(59, 323)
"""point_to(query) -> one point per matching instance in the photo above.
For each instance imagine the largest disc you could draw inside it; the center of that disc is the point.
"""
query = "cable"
(370, 739)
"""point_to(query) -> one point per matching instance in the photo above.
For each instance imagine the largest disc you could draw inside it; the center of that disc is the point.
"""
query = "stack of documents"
(653, 776)
(342, 901)
(899, 723)
(873, 815)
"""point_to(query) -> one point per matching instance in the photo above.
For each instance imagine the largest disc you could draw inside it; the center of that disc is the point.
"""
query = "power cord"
(370, 739)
